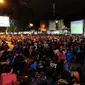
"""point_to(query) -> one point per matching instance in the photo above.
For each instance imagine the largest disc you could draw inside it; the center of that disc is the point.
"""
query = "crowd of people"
(42, 60)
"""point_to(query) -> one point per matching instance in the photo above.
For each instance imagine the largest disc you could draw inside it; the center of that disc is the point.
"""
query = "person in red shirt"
(7, 77)
(61, 56)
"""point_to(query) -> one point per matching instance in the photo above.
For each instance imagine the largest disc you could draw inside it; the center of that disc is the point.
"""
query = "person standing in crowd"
(8, 77)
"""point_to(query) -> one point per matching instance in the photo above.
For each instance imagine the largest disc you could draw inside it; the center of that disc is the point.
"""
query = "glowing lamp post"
(2, 4)
(31, 25)
(1, 1)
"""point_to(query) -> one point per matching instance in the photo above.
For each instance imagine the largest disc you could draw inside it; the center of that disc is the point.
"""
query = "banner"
(52, 25)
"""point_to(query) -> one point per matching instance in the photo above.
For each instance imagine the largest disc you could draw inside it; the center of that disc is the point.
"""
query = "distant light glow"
(56, 21)
(31, 25)
(1, 1)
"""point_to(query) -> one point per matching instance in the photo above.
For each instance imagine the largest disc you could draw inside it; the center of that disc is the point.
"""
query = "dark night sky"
(36, 10)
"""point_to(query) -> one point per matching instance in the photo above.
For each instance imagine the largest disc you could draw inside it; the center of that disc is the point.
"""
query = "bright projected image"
(4, 21)
(77, 27)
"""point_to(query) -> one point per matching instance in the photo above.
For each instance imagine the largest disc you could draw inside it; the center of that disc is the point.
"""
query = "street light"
(31, 25)
(56, 21)
(1, 1)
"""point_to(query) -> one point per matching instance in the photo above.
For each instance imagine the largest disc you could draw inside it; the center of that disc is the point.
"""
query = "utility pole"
(53, 9)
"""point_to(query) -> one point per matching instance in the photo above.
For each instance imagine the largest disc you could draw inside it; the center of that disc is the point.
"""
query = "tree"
(10, 29)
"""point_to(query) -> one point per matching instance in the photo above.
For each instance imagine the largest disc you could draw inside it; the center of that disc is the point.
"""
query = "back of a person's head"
(66, 75)
(63, 84)
(61, 61)
(7, 68)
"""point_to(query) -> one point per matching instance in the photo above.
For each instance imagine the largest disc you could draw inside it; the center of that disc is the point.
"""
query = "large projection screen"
(4, 21)
(77, 27)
